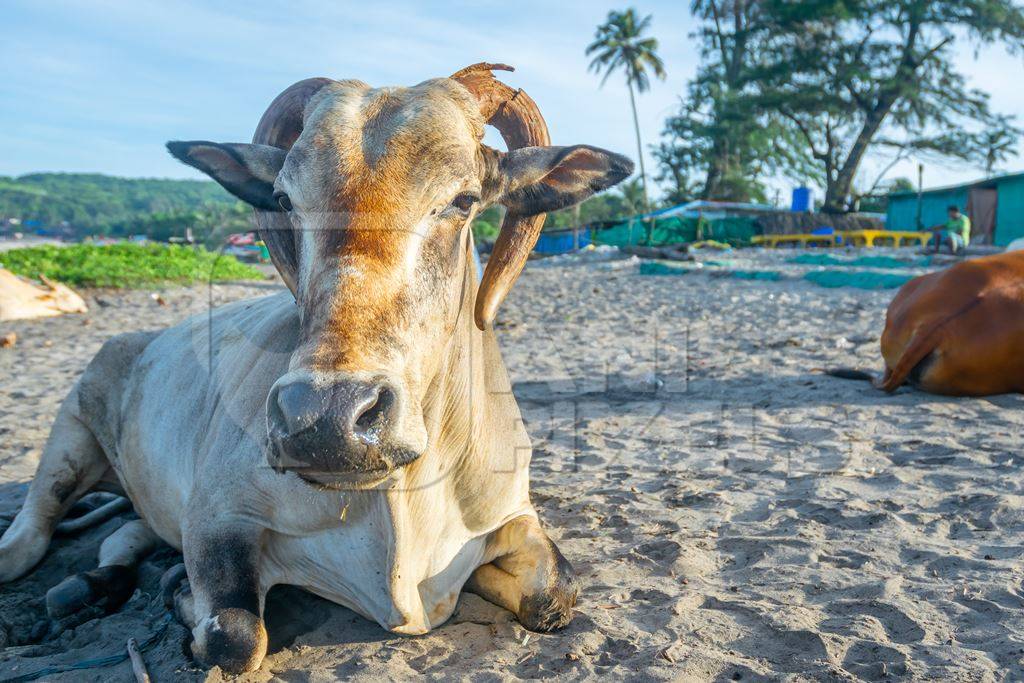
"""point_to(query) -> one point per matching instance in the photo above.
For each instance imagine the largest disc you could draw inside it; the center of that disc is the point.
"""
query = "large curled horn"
(280, 127)
(520, 123)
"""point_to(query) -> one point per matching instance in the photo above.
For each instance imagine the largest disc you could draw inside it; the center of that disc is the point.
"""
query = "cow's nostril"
(376, 412)
(299, 405)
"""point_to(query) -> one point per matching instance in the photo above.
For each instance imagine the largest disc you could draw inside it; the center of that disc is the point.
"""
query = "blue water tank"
(803, 199)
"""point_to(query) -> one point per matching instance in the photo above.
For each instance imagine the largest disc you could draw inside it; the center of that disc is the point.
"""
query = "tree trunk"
(716, 171)
(639, 147)
(640, 156)
(838, 190)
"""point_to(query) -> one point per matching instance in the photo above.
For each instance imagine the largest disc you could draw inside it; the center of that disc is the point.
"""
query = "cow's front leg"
(223, 601)
(528, 576)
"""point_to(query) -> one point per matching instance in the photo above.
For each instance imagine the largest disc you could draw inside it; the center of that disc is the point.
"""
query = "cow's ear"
(246, 171)
(539, 179)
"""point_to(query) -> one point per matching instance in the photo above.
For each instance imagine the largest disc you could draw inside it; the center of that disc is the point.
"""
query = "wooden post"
(576, 228)
(920, 195)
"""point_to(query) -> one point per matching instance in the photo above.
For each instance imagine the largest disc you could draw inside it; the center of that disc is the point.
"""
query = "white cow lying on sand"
(22, 300)
(357, 436)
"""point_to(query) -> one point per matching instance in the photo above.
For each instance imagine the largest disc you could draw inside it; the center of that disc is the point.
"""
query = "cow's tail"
(922, 344)
(850, 373)
(919, 348)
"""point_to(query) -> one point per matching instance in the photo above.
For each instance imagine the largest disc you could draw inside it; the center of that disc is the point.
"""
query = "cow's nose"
(336, 427)
(299, 406)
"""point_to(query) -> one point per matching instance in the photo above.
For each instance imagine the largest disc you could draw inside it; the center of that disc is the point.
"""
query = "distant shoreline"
(7, 243)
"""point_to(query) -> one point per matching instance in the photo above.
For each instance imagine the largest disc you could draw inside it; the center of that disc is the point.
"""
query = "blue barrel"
(803, 200)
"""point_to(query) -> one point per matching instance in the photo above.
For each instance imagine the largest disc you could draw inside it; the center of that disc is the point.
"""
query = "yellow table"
(856, 238)
(867, 238)
(803, 239)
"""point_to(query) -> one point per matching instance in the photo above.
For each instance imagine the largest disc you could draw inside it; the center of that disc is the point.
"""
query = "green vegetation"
(724, 143)
(126, 265)
(94, 204)
(487, 224)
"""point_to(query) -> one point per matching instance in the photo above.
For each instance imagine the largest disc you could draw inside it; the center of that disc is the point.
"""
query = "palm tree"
(619, 45)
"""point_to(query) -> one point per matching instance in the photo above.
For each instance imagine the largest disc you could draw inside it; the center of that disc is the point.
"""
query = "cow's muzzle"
(337, 433)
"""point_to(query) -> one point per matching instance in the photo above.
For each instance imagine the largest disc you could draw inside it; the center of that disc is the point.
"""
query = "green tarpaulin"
(861, 279)
(755, 274)
(658, 268)
(735, 231)
(661, 268)
(862, 262)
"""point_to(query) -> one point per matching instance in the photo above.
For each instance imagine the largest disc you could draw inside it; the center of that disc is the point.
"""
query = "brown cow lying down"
(958, 331)
(20, 299)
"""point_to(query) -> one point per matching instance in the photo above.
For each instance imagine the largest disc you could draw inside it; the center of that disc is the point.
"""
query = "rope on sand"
(93, 663)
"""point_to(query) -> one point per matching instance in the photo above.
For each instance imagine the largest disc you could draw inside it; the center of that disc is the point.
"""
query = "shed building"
(995, 206)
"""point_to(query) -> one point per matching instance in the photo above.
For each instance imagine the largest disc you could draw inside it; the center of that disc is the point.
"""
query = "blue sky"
(99, 85)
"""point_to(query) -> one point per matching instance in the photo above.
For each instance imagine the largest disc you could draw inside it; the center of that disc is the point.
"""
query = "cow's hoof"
(551, 609)
(233, 639)
(547, 611)
(105, 587)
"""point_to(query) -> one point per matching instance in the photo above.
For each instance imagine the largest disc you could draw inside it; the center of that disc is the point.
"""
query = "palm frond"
(619, 45)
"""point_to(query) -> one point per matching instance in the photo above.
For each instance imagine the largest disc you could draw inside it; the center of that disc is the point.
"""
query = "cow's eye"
(464, 201)
(283, 201)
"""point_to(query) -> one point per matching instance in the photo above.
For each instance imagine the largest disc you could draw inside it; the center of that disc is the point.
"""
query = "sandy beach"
(733, 513)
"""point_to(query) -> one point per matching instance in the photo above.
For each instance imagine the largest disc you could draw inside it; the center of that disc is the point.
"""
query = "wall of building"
(1010, 210)
(902, 213)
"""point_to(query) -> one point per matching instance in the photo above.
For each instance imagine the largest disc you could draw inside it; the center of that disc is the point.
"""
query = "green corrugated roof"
(957, 186)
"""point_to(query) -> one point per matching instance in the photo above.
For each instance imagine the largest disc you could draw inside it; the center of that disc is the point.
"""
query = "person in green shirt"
(956, 232)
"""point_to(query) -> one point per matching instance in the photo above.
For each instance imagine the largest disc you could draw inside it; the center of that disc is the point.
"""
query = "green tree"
(853, 77)
(487, 224)
(723, 141)
(996, 145)
(632, 197)
(619, 44)
(901, 184)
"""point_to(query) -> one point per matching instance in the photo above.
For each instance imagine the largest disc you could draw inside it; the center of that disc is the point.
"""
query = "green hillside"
(95, 204)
